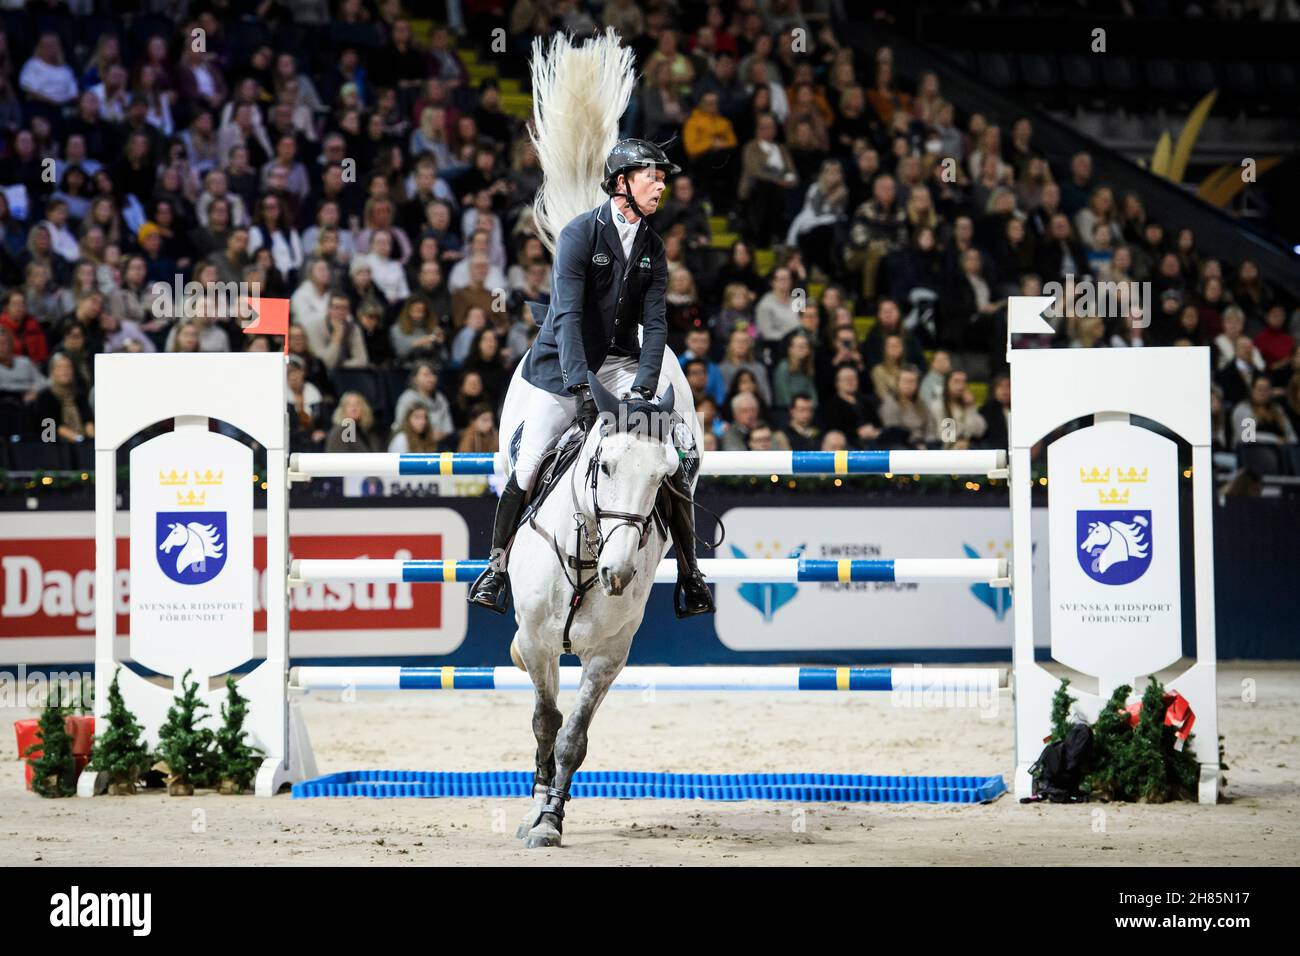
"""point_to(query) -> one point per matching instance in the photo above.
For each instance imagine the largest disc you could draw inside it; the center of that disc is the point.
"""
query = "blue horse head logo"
(1114, 546)
(191, 545)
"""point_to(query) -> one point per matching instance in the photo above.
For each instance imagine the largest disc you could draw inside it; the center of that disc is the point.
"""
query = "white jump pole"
(989, 462)
(754, 570)
(946, 680)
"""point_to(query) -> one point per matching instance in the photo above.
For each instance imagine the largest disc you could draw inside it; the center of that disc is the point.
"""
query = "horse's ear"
(603, 397)
(666, 401)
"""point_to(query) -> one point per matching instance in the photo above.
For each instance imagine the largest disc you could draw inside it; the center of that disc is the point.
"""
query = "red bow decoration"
(1178, 713)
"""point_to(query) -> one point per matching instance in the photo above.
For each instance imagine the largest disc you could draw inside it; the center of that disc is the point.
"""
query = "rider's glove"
(587, 411)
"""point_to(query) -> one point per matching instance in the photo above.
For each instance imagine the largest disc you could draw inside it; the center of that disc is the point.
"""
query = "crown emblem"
(192, 499)
(172, 479)
(1113, 497)
(208, 478)
(1094, 477)
(1132, 476)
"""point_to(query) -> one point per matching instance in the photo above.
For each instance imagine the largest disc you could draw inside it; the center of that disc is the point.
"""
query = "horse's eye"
(604, 468)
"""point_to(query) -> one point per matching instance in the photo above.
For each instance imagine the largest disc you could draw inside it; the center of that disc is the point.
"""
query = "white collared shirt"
(626, 230)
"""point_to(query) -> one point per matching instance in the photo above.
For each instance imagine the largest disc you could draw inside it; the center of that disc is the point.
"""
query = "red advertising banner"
(47, 585)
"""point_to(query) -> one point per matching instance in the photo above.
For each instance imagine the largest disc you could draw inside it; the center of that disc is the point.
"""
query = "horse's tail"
(579, 96)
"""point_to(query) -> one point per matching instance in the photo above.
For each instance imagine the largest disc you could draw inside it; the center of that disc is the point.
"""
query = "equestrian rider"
(610, 276)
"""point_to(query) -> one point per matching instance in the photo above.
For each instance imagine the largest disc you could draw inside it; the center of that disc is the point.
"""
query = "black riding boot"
(691, 596)
(492, 589)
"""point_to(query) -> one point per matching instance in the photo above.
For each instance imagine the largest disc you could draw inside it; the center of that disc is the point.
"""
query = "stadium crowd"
(343, 157)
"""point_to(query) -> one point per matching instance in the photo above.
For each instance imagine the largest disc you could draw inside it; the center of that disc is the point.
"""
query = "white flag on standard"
(1025, 314)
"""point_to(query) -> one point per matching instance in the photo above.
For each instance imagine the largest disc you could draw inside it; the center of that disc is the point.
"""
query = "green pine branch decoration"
(118, 750)
(1062, 706)
(184, 746)
(1140, 763)
(54, 772)
(235, 763)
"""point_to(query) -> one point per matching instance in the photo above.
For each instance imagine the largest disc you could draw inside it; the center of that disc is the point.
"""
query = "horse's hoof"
(543, 835)
(530, 821)
(514, 654)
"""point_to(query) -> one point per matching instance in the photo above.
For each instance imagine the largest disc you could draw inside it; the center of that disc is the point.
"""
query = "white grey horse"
(600, 512)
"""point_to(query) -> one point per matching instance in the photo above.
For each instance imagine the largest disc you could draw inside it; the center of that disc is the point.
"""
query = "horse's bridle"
(625, 518)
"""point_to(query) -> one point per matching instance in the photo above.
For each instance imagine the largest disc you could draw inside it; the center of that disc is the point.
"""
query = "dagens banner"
(869, 615)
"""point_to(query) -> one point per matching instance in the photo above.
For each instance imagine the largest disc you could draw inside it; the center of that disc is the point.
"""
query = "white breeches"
(544, 415)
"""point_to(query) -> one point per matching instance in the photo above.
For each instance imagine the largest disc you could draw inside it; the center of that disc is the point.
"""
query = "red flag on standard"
(270, 317)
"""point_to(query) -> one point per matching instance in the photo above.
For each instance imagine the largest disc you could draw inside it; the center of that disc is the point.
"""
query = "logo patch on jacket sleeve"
(644, 263)
(601, 259)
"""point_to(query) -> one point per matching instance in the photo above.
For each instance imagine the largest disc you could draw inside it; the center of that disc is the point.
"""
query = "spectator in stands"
(477, 294)
(682, 306)
(197, 333)
(63, 404)
(308, 422)
(1210, 304)
(849, 411)
(72, 343)
(883, 96)
(27, 336)
(762, 438)
(957, 421)
(1250, 291)
(744, 419)
(711, 424)
(698, 348)
(1078, 186)
(1225, 342)
(1100, 211)
(796, 373)
(1257, 417)
(122, 335)
(486, 359)
(885, 374)
(768, 183)
(903, 413)
(740, 355)
(413, 432)
(385, 269)
(818, 230)
(310, 303)
(418, 336)
(20, 380)
(739, 268)
(970, 311)
(800, 433)
(46, 78)
(354, 426)
(996, 412)
(1275, 344)
(745, 382)
(1060, 253)
(889, 321)
(271, 229)
(879, 227)
(480, 435)
(1189, 259)
(710, 143)
(776, 315)
(697, 377)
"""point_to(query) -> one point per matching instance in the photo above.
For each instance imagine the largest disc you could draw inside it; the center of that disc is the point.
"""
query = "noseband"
(596, 543)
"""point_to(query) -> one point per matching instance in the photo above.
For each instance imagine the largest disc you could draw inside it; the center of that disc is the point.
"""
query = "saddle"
(558, 460)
